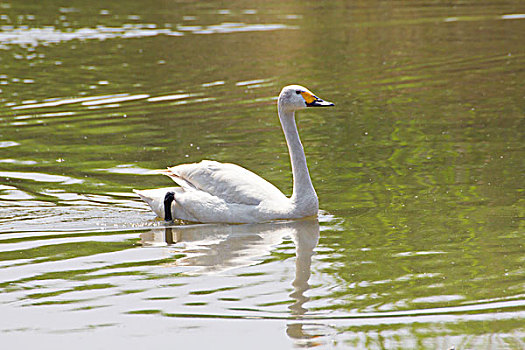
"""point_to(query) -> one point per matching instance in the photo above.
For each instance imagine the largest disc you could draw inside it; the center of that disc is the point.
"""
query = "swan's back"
(230, 182)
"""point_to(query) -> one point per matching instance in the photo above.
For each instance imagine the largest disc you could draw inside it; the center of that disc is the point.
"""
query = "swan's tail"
(157, 198)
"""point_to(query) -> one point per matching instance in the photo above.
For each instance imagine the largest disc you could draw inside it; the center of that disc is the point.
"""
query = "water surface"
(419, 170)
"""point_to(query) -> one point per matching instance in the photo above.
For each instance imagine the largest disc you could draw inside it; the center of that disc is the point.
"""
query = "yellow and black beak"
(314, 101)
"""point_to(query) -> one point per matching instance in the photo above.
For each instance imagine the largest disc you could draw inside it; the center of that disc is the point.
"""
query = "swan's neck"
(303, 195)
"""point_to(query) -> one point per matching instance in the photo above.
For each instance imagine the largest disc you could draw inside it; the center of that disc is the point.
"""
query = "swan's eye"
(297, 92)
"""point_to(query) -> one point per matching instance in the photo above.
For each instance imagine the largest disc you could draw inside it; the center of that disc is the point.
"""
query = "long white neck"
(303, 190)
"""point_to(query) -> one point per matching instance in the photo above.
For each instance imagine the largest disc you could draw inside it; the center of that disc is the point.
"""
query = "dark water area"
(419, 171)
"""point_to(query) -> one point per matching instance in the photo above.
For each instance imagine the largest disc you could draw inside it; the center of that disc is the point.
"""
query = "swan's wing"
(230, 182)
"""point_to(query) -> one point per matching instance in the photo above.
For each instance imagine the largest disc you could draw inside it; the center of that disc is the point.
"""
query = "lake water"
(419, 171)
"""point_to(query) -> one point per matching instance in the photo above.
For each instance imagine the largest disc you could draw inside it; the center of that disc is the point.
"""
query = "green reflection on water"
(420, 162)
(64, 251)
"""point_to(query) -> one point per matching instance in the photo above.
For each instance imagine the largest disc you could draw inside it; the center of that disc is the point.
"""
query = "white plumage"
(213, 192)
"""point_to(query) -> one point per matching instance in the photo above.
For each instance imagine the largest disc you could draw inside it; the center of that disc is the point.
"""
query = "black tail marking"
(168, 199)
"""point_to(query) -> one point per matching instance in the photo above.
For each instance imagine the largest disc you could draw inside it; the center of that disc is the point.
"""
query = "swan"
(213, 192)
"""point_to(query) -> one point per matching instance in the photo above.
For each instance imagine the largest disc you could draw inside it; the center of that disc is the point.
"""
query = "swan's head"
(294, 97)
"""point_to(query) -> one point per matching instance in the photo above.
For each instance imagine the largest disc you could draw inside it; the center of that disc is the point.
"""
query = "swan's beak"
(314, 101)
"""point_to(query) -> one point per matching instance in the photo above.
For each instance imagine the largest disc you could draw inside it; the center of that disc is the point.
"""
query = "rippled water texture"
(419, 170)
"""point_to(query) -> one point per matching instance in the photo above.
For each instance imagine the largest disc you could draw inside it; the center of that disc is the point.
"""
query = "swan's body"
(221, 192)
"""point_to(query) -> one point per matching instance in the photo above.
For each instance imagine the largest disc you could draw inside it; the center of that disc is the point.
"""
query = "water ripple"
(65, 101)
(4, 144)
(40, 177)
(35, 36)
(10, 35)
(115, 99)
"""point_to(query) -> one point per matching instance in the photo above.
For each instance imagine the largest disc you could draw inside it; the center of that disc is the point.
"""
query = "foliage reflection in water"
(420, 167)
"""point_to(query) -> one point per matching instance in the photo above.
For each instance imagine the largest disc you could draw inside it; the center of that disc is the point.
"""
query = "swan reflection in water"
(213, 248)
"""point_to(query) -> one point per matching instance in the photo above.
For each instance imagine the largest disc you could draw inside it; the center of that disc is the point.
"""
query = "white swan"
(213, 192)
